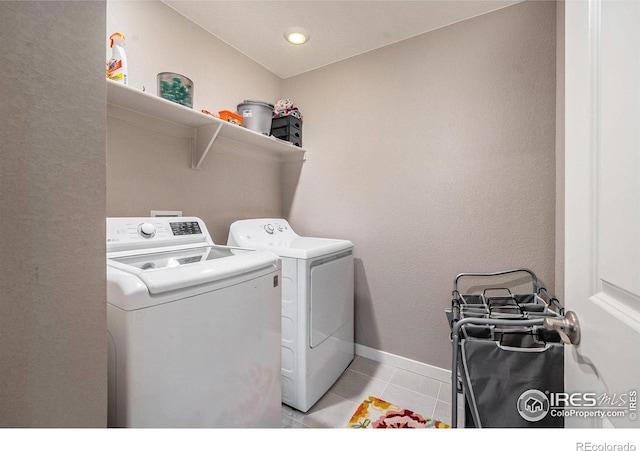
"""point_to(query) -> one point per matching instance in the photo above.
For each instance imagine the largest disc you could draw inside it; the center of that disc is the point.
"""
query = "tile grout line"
(301, 421)
(439, 390)
(388, 382)
(334, 394)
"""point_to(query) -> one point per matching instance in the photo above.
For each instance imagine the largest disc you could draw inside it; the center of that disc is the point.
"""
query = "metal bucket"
(256, 115)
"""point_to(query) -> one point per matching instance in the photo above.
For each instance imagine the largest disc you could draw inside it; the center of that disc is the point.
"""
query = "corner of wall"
(560, 137)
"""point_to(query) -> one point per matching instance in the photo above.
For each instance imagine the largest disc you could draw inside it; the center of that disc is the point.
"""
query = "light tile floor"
(364, 377)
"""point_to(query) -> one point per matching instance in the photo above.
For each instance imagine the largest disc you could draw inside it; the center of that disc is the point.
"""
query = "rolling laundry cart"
(508, 350)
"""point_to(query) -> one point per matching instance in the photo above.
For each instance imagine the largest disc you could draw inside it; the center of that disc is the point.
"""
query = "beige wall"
(435, 156)
(158, 39)
(53, 370)
(150, 169)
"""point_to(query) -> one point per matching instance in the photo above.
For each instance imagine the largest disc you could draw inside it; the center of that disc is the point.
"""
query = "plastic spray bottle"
(117, 65)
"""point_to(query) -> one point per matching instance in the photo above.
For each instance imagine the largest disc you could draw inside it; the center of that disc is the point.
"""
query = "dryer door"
(331, 296)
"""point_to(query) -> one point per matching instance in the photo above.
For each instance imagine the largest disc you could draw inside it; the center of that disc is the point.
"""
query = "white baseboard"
(404, 363)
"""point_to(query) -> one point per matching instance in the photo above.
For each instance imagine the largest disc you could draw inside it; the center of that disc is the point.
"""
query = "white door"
(602, 213)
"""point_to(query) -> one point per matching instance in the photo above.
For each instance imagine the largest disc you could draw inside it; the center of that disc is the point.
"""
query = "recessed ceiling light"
(296, 36)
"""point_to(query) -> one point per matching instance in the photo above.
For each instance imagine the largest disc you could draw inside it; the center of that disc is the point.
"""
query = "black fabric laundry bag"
(508, 387)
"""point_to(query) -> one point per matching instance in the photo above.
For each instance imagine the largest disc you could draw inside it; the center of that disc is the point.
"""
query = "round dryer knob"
(269, 229)
(146, 230)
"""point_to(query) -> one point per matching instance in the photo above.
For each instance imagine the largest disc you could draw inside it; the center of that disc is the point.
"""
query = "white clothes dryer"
(194, 328)
(317, 306)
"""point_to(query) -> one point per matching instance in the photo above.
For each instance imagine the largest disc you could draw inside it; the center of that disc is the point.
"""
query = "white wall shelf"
(206, 128)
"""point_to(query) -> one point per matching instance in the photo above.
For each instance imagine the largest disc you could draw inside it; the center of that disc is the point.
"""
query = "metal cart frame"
(482, 314)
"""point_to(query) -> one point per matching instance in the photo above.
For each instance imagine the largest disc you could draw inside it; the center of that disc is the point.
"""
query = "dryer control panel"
(262, 230)
(276, 235)
(280, 226)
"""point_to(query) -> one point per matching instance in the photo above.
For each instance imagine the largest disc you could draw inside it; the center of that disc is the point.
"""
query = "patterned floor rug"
(375, 413)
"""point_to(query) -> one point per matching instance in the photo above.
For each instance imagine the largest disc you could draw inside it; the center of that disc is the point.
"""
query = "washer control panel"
(185, 228)
(133, 233)
(147, 230)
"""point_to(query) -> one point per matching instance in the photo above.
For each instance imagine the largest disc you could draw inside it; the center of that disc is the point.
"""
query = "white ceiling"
(339, 29)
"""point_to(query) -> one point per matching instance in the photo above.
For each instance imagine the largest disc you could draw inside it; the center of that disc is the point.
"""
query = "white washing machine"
(317, 305)
(194, 328)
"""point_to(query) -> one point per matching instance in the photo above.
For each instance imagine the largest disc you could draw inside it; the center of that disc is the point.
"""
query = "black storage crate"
(287, 128)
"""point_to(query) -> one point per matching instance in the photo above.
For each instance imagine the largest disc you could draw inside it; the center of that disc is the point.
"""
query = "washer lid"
(183, 268)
